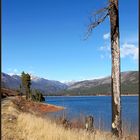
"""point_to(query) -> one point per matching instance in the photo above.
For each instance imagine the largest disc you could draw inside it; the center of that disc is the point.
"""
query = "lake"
(100, 108)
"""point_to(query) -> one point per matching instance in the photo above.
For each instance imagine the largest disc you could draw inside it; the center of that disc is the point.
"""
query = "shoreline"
(32, 106)
(88, 95)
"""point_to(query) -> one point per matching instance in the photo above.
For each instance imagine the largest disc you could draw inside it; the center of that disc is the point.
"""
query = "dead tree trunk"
(115, 51)
(97, 18)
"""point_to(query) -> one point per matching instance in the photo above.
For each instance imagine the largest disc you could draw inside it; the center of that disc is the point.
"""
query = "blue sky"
(46, 38)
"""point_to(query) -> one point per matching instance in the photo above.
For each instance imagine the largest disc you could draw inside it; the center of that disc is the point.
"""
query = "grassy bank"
(19, 125)
(35, 128)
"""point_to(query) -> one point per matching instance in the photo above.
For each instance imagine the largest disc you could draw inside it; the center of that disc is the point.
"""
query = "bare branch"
(101, 11)
(97, 18)
(95, 24)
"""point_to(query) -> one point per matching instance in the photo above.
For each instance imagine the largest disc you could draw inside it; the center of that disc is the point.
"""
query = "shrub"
(37, 96)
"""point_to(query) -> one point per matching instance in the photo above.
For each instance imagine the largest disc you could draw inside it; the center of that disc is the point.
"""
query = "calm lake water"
(100, 108)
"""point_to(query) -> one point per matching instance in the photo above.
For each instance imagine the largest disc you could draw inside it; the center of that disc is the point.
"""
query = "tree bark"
(115, 78)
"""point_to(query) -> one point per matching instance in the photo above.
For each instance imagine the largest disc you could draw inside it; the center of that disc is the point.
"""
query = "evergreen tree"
(23, 83)
(26, 84)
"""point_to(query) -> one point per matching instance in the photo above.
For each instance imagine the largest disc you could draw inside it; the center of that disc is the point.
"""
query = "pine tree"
(26, 84)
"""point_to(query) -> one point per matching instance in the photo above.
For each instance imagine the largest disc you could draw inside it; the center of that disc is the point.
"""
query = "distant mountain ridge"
(129, 85)
(42, 84)
(102, 86)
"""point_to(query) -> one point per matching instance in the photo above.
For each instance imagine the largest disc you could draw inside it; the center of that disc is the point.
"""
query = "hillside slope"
(42, 84)
(129, 85)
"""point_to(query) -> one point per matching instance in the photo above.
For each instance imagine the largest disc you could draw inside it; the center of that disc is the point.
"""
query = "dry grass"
(37, 128)
(9, 115)
(17, 125)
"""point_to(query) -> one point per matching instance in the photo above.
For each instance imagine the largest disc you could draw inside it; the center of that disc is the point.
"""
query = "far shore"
(86, 95)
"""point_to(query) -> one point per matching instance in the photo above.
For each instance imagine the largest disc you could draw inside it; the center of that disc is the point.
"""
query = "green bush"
(37, 96)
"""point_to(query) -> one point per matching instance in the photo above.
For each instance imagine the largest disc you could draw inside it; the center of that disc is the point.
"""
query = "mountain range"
(42, 84)
(129, 85)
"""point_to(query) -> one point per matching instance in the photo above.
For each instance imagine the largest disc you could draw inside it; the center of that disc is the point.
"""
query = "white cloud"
(129, 50)
(105, 48)
(106, 36)
(105, 51)
(126, 50)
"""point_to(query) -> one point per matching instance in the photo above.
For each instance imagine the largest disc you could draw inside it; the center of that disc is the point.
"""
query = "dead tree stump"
(89, 123)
